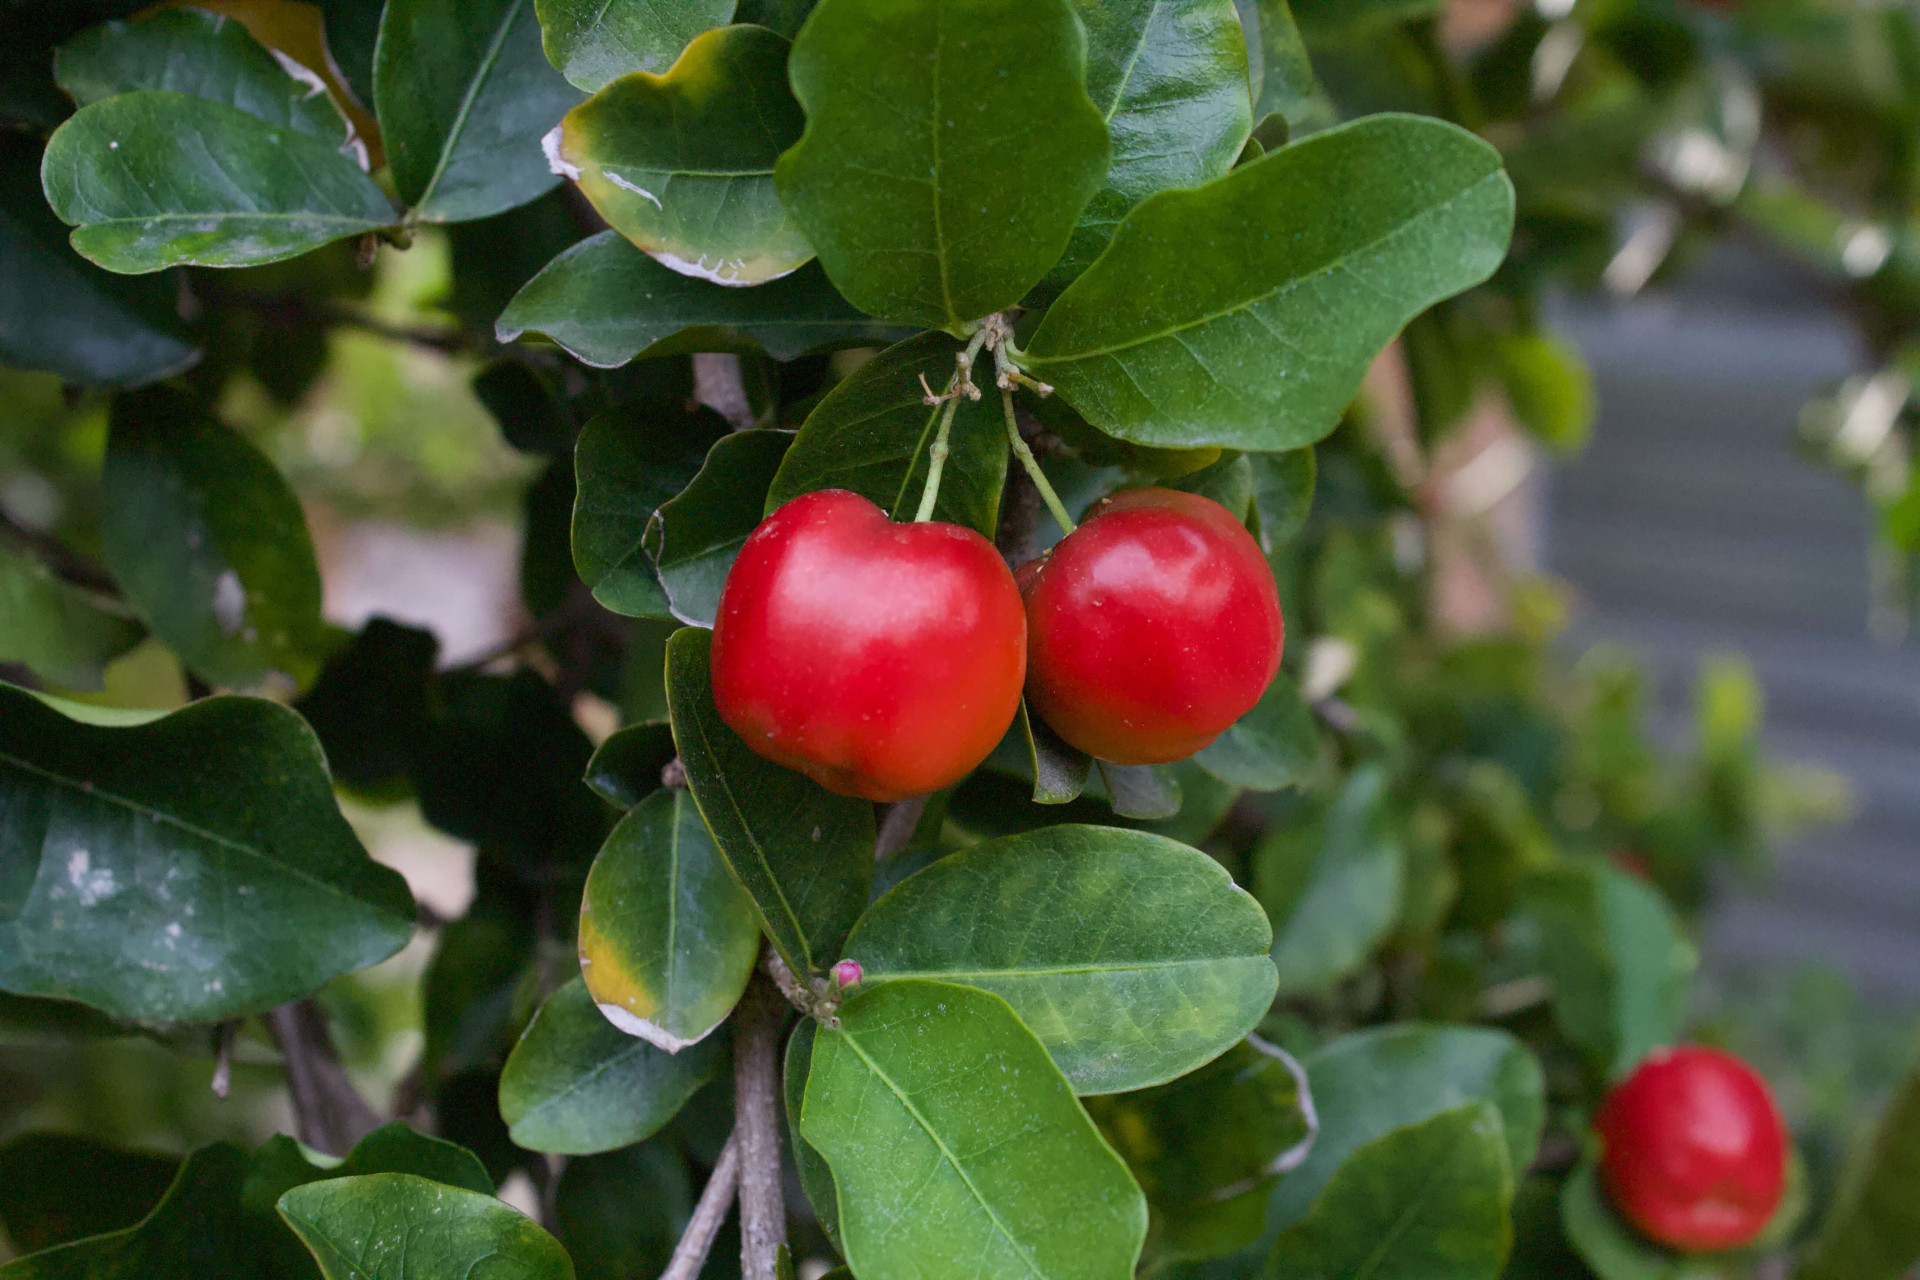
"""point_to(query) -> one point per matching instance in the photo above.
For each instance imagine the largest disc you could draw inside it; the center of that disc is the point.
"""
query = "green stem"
(1032, 464)
(936, 462)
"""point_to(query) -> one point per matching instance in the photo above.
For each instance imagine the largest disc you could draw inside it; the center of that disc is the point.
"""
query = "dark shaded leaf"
(695, 536)
(625, 769)
(1272, 746)
(64, 635)
(59, 1187)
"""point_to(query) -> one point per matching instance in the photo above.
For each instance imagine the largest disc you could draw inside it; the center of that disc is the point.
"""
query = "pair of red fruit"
(887, 660)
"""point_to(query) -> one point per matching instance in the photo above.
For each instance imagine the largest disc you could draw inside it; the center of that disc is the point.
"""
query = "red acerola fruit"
(1151, 628)
(882, 660)
(1694, 1151)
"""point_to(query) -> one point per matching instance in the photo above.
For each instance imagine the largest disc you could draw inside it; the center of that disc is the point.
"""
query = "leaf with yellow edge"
(682, 163)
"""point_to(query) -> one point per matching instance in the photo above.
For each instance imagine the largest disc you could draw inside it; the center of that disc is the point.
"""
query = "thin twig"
(756, 1084)
(328, 1111)
(897, 828)
(690, 1255)
(65, 562)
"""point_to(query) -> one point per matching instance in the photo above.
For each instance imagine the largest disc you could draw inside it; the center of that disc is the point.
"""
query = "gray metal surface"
(1691, 527)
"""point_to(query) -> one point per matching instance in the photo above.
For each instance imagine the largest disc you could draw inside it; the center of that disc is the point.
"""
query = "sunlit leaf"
(398, 1224)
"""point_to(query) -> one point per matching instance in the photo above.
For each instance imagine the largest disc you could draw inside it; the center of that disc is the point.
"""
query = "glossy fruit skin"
(1694, 1151)
(1151, 628)
(882, 660)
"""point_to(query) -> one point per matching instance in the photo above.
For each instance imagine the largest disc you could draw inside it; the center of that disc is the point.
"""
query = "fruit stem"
(936, 462)
(1032, 464)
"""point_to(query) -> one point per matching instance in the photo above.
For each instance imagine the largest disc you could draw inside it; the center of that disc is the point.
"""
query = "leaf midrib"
(952, 1160)
(170, 820)
(459, 126)
(1054, 971)
(1279, 290)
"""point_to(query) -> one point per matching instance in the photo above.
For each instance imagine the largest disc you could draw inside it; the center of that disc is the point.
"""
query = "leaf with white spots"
(187, 868)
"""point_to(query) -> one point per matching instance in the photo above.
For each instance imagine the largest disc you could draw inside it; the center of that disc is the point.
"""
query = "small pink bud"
(848, 974)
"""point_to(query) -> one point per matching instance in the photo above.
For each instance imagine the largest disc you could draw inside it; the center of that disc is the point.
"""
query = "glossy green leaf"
(682, 163)
(625, 769)
(1427, 1201)
(816, 1178)
(1060, 771)
(188, 869)
(594, 42)
(1617, 959)
(1283, 486)
(695, 536)
(1147, 792)
(627, 462)
(1283, 84)
(577, 1084)
(1133, 958)
(464, 95)
(803, 854)
(1228, 480)
(1244, 313)
(56, 1188)
(398, 1225)
(64, 635)
(207, 55)
(281, 1164)
(620, 1214)
(607, 302)
(668, 939)
(872, 434)
(938, 1175)
(1872, 1232)
(1272, 746)
(1170, 77)
(955, 205)
(1331, 879)
(1208, 1148)
(62, 314)
(1368, 1084)
(209, 544)
(156, 179)
(1608, 1246)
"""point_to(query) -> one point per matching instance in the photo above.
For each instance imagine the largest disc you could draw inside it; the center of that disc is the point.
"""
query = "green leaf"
(62, 314)
(956, 204)
(188, 869)
(1274, 745)
(667, 938)
(1141, 791)
(628, 462)
(1429, 1200)
(479, 986)
(63, 634)
(209, 543)
(369, 707)
(59, 1187)
(1607, 1245)
(397, 1225)
(625, 769)
(1060, 772)
(695, 536)
(1133, 958)
(594, 42)
(1285, 83)
(1208, 1148)
(577, 1084)
(198, 1229)
(816, 1178)
(1170, 78)
(682, 163)
(1368, 1084)
(156, 179)
(803, 854)
(619, 1214)
(281, 1164)
(207, 55)
(939, 1175)
(1282, 495)
(1244, 313)
(464, 95)
(1333, 19)
(352, 29)
(607, 302)
(1872, 1232)
(1228, 480)
(1549, 387)
(1331, 880)
(1617, 959)
(872, 434)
